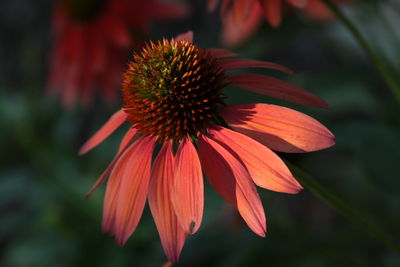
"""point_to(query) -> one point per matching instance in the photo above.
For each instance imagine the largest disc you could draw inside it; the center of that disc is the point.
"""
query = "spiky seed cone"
(172, 89)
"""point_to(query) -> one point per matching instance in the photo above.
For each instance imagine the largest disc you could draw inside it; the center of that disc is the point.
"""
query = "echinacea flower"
(242, 18)
(92, 39)
(172, 98)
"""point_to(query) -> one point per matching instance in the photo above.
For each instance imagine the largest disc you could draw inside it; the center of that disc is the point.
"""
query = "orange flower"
(92, 39)
(172, 97)
(242, 18)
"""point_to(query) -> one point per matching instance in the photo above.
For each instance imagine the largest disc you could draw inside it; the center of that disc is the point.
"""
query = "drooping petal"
(238, 63)
(188, 36)
(266, 169)
(220, 53)
(188, 191)
(132, 192)
(108, 128)
(279, 128)
(162, 178)
(272, 11)
(232, 181)
(112, 191)
(126, 140)
(273, 87)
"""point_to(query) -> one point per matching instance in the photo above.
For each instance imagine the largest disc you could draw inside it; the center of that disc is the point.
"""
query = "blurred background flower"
(93, 38)
(242, 18)
(44, 220)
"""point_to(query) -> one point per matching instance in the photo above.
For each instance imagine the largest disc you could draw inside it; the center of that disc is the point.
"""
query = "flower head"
(242, 18)
(172, 98)
(173, 89)
(92, 39)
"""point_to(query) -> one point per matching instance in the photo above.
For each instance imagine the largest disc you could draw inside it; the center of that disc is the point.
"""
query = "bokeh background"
(45, 220)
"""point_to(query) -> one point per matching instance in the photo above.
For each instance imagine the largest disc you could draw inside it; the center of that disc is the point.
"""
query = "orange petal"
(188, 36)
(126, 140)
(265, 168)
(188, 192)
(162, 178)
(238, 63)
(108, 128)
(134, 175)
(272, 11)
(273, 87)
(279, 128)
(232, 181)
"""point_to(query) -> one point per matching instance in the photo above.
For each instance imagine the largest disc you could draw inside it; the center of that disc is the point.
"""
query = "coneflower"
(173, 99)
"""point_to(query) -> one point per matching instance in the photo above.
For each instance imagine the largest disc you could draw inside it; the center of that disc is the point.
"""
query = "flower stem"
(343, 208)
(374, 57)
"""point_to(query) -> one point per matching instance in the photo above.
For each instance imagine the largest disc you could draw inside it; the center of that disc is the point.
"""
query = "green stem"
(343, 208)
(376, 60)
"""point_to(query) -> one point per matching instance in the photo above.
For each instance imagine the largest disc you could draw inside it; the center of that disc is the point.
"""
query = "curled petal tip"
(262, 234)
(298, 190)
(121, 242)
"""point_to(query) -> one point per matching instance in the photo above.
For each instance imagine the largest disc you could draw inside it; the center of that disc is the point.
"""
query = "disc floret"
(172, 89)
